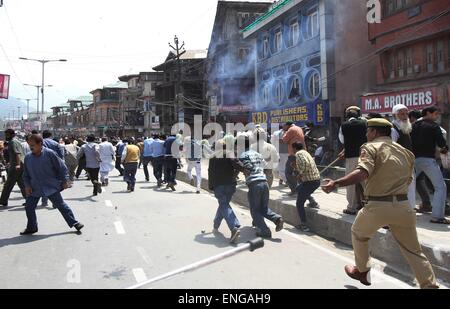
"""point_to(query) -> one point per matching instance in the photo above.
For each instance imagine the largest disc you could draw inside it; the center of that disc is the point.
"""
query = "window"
(392, 65)
(279, 92)
(314, 84)
(401, 63)
(313, 24)
(243, 18)
(221, 66)
(243, 54)
(266, 96)
(278, 41)
(430, 58)
(409, 61)
(295, 88)
(391, 7)
(440, 55)
(293, 33)
(265, 47)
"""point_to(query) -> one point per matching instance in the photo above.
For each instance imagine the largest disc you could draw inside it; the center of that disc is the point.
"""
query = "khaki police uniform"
(390, 168)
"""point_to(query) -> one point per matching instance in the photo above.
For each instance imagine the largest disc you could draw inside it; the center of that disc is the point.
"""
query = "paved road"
(133, 236)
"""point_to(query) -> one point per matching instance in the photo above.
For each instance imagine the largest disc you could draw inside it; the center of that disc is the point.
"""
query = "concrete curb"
(335, 227)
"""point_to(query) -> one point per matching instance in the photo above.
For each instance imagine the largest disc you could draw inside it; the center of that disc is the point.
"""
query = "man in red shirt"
(294, 134)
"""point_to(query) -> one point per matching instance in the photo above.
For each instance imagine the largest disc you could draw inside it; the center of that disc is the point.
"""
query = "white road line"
(139, 275)
(119, 228)
(108, 203)
(144, 255)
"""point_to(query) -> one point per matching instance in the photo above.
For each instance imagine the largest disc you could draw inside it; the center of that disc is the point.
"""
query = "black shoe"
(172, 187)
(95, 193)
(3, 205)
(303, 228)
(99, 187)
(235, 235)
(29, 232)
(266, 235)
(314, 205)
(159, 184)
(280, 225)
(24, 204)
(132, 189)
(147, 179)
(128, 186)
(78, 226)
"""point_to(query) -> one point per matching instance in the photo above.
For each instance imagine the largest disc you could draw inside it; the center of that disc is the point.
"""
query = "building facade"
(173, 107)
(306, 56)
(105, 111)
(230, 78)
(412, 45)
(139, 114)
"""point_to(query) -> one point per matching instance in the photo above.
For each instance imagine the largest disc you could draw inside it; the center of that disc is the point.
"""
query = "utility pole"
(28, 105)
(179, 50)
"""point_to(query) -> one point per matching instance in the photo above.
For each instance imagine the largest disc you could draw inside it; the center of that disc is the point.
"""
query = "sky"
(101, 39)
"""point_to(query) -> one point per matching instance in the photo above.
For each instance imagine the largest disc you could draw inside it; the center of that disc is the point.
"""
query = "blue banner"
(318, 112)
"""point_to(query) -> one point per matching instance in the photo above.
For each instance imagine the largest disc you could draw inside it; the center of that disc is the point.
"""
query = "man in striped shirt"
(309, 179)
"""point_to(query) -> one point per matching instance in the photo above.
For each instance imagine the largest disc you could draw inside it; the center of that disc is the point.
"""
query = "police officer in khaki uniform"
(387, 169)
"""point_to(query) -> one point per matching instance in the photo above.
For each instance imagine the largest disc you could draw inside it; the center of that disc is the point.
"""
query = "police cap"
(378, 123)
(353, 108)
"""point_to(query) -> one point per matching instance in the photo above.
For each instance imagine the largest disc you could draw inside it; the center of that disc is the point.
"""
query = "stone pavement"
(329, 222)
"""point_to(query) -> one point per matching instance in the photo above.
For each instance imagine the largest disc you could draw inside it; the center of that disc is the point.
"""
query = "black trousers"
(93, 175)
(424, 186)
(171, 166)
(146, 161)
(158, 165)
(14, 176)
(81, 167)
(119, 165)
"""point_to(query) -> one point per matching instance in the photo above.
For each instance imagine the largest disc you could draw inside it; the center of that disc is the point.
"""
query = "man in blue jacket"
(45, 175)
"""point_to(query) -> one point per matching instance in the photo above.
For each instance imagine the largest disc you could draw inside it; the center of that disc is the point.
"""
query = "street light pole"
(38, 87)
(42, 87)
(43, 62)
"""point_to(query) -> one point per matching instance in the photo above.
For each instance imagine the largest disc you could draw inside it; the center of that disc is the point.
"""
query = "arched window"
(265, 96)
(314, 84)
(295, 88)
(278, 92)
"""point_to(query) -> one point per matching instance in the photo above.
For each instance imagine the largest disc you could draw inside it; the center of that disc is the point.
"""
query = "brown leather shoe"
(354, 273)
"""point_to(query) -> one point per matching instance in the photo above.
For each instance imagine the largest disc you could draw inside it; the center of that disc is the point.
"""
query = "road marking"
(139, 275)
(119, 228)
(144, 255)
(109, 203)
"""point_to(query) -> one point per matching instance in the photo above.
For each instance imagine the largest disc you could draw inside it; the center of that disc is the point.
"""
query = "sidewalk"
(331, 223)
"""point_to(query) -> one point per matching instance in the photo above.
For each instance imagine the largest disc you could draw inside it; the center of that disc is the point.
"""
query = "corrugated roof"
(119, 85)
